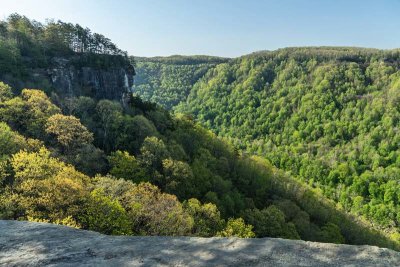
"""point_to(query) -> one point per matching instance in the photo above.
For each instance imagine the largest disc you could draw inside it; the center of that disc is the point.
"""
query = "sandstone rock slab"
(41, 244)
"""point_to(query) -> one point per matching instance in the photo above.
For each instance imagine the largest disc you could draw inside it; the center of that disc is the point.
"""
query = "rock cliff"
(40, 244)
(96, 76)
(70, 80)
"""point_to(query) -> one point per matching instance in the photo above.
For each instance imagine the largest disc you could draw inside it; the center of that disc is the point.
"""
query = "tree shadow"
(40, 244)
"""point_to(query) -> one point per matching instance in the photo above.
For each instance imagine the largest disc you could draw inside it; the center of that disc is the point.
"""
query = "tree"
(13, 112)
(331, 233)
(29, 112)
(158, 214)
(109, 114)
(105, 215)
(69, 131)
(271, 222)
(45, 188)
(4, 169)
(10, 141)
(179, 179)
(37, 166)
(153, 151)
(126, 166)
(133, 132)
(5, 92)
(207, 218)
(150, 211)
(294, 214)
(89, 160)
(237, 228)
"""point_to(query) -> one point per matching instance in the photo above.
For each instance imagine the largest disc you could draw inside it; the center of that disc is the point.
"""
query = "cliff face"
(41, 244)
(109, 83)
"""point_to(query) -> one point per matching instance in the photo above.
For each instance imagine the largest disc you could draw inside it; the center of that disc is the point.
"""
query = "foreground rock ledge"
(41, 244)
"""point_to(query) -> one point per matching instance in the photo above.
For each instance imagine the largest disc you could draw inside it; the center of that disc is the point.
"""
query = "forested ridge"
(167, 81)
(132, 168)
(328, 115)
(136, 170)
(27, 45)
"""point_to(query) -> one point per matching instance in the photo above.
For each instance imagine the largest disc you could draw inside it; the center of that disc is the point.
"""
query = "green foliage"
(126, 166)
(105, 215)
(87, 159)
(138, 127)
(4, 169)
(178, 178)
(44, 187)
(29, 112)
(237, 228)
(34, 115)
(69, 131)
(207, 218)
(28, 47)
(299, 218)
(10, 58)
(327, 115)
(271, 222)
(156, 213)
(108, 115)
(34, 39)
(5, 92)
(36, 166)
(150, 211)
(68, 221)
(168, 81)
(10, 141)
(180, 160)
(331, 233)
(153, 151)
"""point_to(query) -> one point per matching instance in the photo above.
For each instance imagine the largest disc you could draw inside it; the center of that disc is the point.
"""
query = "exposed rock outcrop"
(109, 83)
(40, 244)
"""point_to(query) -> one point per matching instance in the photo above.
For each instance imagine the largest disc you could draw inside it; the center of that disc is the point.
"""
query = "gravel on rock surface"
(42, 244)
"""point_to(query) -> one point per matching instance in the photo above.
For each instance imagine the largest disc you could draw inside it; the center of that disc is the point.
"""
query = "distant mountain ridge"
(81, 150)
(168, 80)
(152, 82)
(328, 115)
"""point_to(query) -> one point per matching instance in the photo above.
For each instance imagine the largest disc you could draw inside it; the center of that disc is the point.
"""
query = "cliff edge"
(70, 78)
(41, 244)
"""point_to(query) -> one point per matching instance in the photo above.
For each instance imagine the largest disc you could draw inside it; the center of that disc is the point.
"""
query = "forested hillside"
(130, 167)
(29, 50)
(135, 170)
(330, 116)
(168, 80)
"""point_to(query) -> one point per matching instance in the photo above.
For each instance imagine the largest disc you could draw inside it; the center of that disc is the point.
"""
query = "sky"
(226, 28)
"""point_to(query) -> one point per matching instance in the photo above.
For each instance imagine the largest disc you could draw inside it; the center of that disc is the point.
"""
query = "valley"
(298, 143)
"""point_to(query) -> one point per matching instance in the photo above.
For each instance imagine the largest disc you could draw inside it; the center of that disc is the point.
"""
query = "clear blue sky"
(224, 27)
